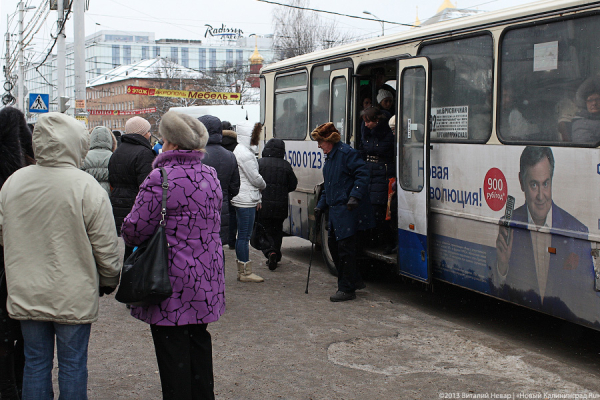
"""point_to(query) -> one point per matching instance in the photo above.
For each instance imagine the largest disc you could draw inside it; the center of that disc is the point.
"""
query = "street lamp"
(21, 78)
(379, 19)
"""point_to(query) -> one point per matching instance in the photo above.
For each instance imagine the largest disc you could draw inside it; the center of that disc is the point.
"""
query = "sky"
(186, 19)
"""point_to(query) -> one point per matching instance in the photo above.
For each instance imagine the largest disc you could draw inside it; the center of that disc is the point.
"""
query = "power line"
(336, 13)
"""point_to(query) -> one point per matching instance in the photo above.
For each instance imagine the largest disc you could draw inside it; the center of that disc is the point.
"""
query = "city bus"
(497, 159)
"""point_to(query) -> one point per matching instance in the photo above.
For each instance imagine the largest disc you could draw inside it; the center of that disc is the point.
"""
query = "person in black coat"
(280, 179)
(229, 142)
(225, 163)
(377, 149)
(129, 165)
(16, 151)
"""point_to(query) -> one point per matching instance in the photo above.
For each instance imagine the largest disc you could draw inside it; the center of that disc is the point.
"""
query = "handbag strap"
(165, 186)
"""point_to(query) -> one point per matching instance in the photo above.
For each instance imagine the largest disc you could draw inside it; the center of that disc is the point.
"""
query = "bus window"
(319, 89)
(461, 88)
(549, 83)
(291, 107)
(338, 104)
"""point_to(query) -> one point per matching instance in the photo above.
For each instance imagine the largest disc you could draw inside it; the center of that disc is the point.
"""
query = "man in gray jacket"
(60, 253)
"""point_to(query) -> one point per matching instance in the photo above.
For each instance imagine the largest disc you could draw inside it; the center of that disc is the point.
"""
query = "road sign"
(38, 102)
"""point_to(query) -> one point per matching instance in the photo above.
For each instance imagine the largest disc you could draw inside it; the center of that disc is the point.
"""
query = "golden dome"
(445, 4)
(417, 20)
(256, 58)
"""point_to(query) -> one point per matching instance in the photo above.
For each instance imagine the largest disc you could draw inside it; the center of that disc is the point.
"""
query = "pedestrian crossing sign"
(38, 102)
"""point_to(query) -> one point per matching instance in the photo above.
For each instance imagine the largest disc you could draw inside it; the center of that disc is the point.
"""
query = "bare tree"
(298, 31)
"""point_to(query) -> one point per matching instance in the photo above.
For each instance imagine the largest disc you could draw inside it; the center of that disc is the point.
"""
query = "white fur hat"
(383, 94)
(183, 130)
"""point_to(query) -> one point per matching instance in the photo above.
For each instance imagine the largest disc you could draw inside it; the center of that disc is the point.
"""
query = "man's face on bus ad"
(536, 183)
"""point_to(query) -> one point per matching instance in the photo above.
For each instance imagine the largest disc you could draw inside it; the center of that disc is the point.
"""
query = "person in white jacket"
(60, 254)
(248, 198)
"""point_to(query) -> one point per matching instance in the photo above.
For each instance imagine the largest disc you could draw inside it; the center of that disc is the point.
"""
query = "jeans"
(71, 348)
(232, 225)
(245, 223)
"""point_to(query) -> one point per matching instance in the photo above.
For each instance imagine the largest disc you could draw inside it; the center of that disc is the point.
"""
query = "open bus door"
(339, 86)
(412, 125)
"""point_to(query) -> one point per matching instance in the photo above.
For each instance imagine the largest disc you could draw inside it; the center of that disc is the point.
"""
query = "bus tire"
(324, 243)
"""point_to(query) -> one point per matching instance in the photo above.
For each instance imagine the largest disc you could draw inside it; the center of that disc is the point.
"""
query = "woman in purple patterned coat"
(178, 324)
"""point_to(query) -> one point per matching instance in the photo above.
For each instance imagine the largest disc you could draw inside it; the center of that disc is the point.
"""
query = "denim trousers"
(232, 225)
(245, 223)
(71, 349)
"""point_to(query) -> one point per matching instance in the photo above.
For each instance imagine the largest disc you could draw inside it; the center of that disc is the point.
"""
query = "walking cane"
(312, 251)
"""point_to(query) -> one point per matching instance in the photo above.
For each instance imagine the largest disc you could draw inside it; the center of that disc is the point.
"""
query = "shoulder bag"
(145, 277)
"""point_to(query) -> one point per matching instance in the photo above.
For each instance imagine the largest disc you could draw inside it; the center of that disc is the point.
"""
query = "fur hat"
(383, 94)
(137, 125)
(326, 132)
(183, 130)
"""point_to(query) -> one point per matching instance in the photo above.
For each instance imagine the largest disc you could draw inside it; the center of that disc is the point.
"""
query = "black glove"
(318, 213)
(352, 203)
(106, 290)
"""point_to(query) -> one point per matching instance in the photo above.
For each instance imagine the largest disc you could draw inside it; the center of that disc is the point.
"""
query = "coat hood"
(213, 126)
(248, 134)
(101, 138)
(274, 148)
(60, 140)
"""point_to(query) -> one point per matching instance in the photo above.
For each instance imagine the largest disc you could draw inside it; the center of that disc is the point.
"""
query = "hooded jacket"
(280, 178)
(225, 163)
(129, 165)
(229, 140)
(251, 183)
(57, 230)
(96, 161)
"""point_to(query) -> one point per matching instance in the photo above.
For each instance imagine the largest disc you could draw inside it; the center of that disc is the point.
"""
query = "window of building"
(212, 59)
(201, 59)
(461, 88)
(142, 39)
(116, 55)
(145, 52)
(185, 57)
(118, 38)
(291, 106)
(229, 58)
(126, 54)
(549, 88)
(239, 58)
(175, 54)
(156, 51)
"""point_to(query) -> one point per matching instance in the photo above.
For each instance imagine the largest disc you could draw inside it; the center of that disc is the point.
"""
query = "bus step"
(378, 255)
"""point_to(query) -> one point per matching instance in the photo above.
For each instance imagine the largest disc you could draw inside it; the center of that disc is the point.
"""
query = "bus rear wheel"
(324, 242)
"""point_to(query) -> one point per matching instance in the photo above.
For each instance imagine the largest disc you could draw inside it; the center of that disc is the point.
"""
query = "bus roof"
(446, 28)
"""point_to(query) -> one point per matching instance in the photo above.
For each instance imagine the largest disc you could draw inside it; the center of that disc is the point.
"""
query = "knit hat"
(137, 125)
(383, 94)
(392, 123)
(326, 132)
(183, 130)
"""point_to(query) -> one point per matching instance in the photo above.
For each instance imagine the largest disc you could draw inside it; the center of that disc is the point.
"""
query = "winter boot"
(245, 272)
(8, 383)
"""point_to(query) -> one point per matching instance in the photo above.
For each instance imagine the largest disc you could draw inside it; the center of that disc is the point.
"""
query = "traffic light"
(63, 104)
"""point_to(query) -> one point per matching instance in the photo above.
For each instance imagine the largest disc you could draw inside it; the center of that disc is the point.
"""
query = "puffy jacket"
(96, 161)
(345, 175)
(280, 179)
(251, 183)
(377, 149)
(192, 228)
(129, 165)
(57, 229)
(225, 163)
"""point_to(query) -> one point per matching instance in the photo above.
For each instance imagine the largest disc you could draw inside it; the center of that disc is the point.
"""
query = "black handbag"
(145, 277)
(259, 239)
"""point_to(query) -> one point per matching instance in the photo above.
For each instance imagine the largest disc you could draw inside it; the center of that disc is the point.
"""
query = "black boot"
(8, 383)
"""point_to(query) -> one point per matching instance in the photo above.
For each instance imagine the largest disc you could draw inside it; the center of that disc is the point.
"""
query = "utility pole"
(60, 53)
(79, 58)
(20, 88)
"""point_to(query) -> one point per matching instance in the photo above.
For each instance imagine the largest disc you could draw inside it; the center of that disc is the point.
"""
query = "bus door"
(412, 126)
(339, 90)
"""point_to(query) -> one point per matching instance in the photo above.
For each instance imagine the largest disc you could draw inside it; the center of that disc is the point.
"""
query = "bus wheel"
(325, 244)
